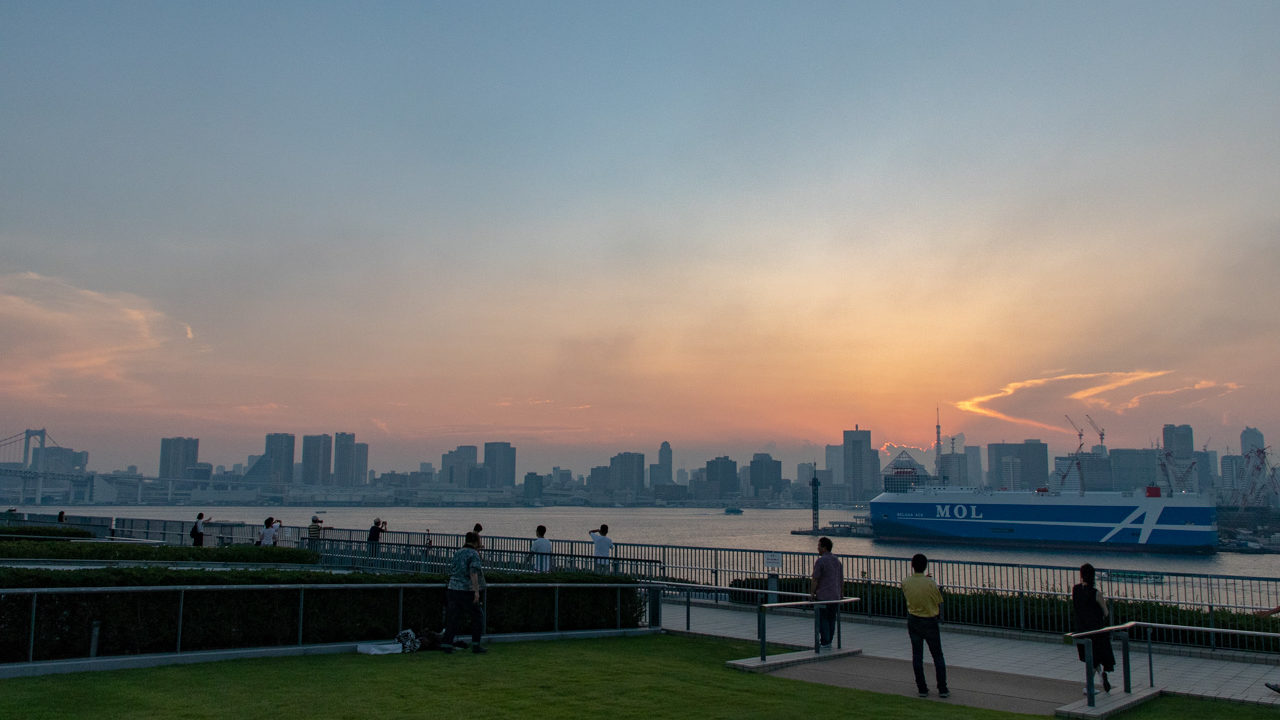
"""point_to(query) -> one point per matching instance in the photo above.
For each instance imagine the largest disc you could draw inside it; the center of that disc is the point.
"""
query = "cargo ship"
(1150, 520)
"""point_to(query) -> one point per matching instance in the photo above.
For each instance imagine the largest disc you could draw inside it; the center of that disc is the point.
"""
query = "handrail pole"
(817, 629)
(1151, 662)
(31, 643)
(1124, 650)
(301, 595)
(182, 599)
(760, 629)
(1089, 689)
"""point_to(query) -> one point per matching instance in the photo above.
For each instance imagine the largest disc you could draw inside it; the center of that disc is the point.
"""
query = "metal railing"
(817, 605)
(651, 618)
(1085, 639)
(1022, 597)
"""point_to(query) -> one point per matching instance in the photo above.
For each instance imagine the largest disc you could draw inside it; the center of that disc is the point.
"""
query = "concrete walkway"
(1026, 675)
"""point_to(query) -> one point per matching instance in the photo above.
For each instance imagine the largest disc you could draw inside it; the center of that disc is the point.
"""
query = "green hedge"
(48, 531)
(53, 549)
(134, 623)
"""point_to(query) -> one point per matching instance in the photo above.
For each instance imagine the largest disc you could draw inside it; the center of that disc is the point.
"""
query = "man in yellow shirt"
(923, 599)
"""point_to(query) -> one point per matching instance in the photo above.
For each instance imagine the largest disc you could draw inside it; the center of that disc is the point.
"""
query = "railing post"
(1089, 689)
(817, 632)
(760, 630)
(93, 639)
(1124, 651)
(655, 606)
(617, 608)
(1213, 636)
(839, 638)
(182, 601)
(1151, 665)
(31, 641)
(302, 592)
(400, 612)
(556, 608)
(688, 609)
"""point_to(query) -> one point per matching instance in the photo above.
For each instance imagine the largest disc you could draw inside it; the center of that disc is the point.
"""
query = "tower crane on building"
(1062, 477)
(1079, 432)
(1102, 434)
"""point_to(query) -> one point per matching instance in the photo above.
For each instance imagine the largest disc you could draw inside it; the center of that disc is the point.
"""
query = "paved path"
(995, 667)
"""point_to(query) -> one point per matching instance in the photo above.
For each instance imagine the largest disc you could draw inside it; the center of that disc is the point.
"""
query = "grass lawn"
(616, 678)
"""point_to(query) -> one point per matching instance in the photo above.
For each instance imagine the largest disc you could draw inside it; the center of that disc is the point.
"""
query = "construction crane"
(1062, 477)
(1102, 434)
(1079, 432)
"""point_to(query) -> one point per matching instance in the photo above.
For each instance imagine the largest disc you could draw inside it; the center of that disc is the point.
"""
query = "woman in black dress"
(1090, 608)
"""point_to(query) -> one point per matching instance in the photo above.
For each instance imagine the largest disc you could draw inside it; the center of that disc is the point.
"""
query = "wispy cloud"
(61, 341)
(1098, 393)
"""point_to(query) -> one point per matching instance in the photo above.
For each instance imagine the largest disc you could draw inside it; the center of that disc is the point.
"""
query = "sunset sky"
(587, 227)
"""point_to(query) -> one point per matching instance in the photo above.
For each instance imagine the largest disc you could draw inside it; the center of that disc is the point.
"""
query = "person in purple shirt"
(827, 584)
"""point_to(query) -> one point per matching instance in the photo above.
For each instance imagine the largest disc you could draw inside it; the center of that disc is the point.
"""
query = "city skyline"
(588, 229)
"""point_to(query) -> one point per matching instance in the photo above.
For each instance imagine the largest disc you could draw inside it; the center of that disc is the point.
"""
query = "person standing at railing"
(197, 530)
(466, 577)
(267, 533)
(827, 583)
(540, 551)
(604, 545)
(375, 536)
(924, 601)
(1090, 609)
(313, 533)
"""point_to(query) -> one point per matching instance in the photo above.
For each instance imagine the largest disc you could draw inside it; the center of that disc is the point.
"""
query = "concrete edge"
(783, 660)
(1136, 647)
(129, 662)
(1108, 704)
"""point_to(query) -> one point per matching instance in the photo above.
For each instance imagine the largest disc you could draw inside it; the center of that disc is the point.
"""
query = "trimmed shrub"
(137, 622)
(45, 531)
(52, 549)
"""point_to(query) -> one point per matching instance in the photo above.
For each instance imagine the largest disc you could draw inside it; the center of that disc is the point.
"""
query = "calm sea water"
(754, 529)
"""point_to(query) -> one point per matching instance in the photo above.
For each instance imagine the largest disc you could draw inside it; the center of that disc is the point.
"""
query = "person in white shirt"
(540, 551)
(267, 535)
(604, 544)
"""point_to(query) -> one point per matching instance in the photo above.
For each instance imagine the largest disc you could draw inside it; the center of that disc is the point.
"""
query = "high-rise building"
(1018, 466)
(362, 463)
(1179, 440)
(835, 463)
(1251, 440)
(661, 472)
(861, 464)
(456, 465)
(627, 471)
(278, 459)
(317, 460)
(765, 475)
(721, 478)
(973, 463)
(176, 455)
(1133, 469)
(500, 464)
(344, 460)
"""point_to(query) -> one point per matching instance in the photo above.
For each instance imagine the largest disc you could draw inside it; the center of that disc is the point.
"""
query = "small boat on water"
(733, 511)
(1132, 576)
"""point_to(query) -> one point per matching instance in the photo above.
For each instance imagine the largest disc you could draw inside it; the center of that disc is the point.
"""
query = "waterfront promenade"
(1018, 674)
